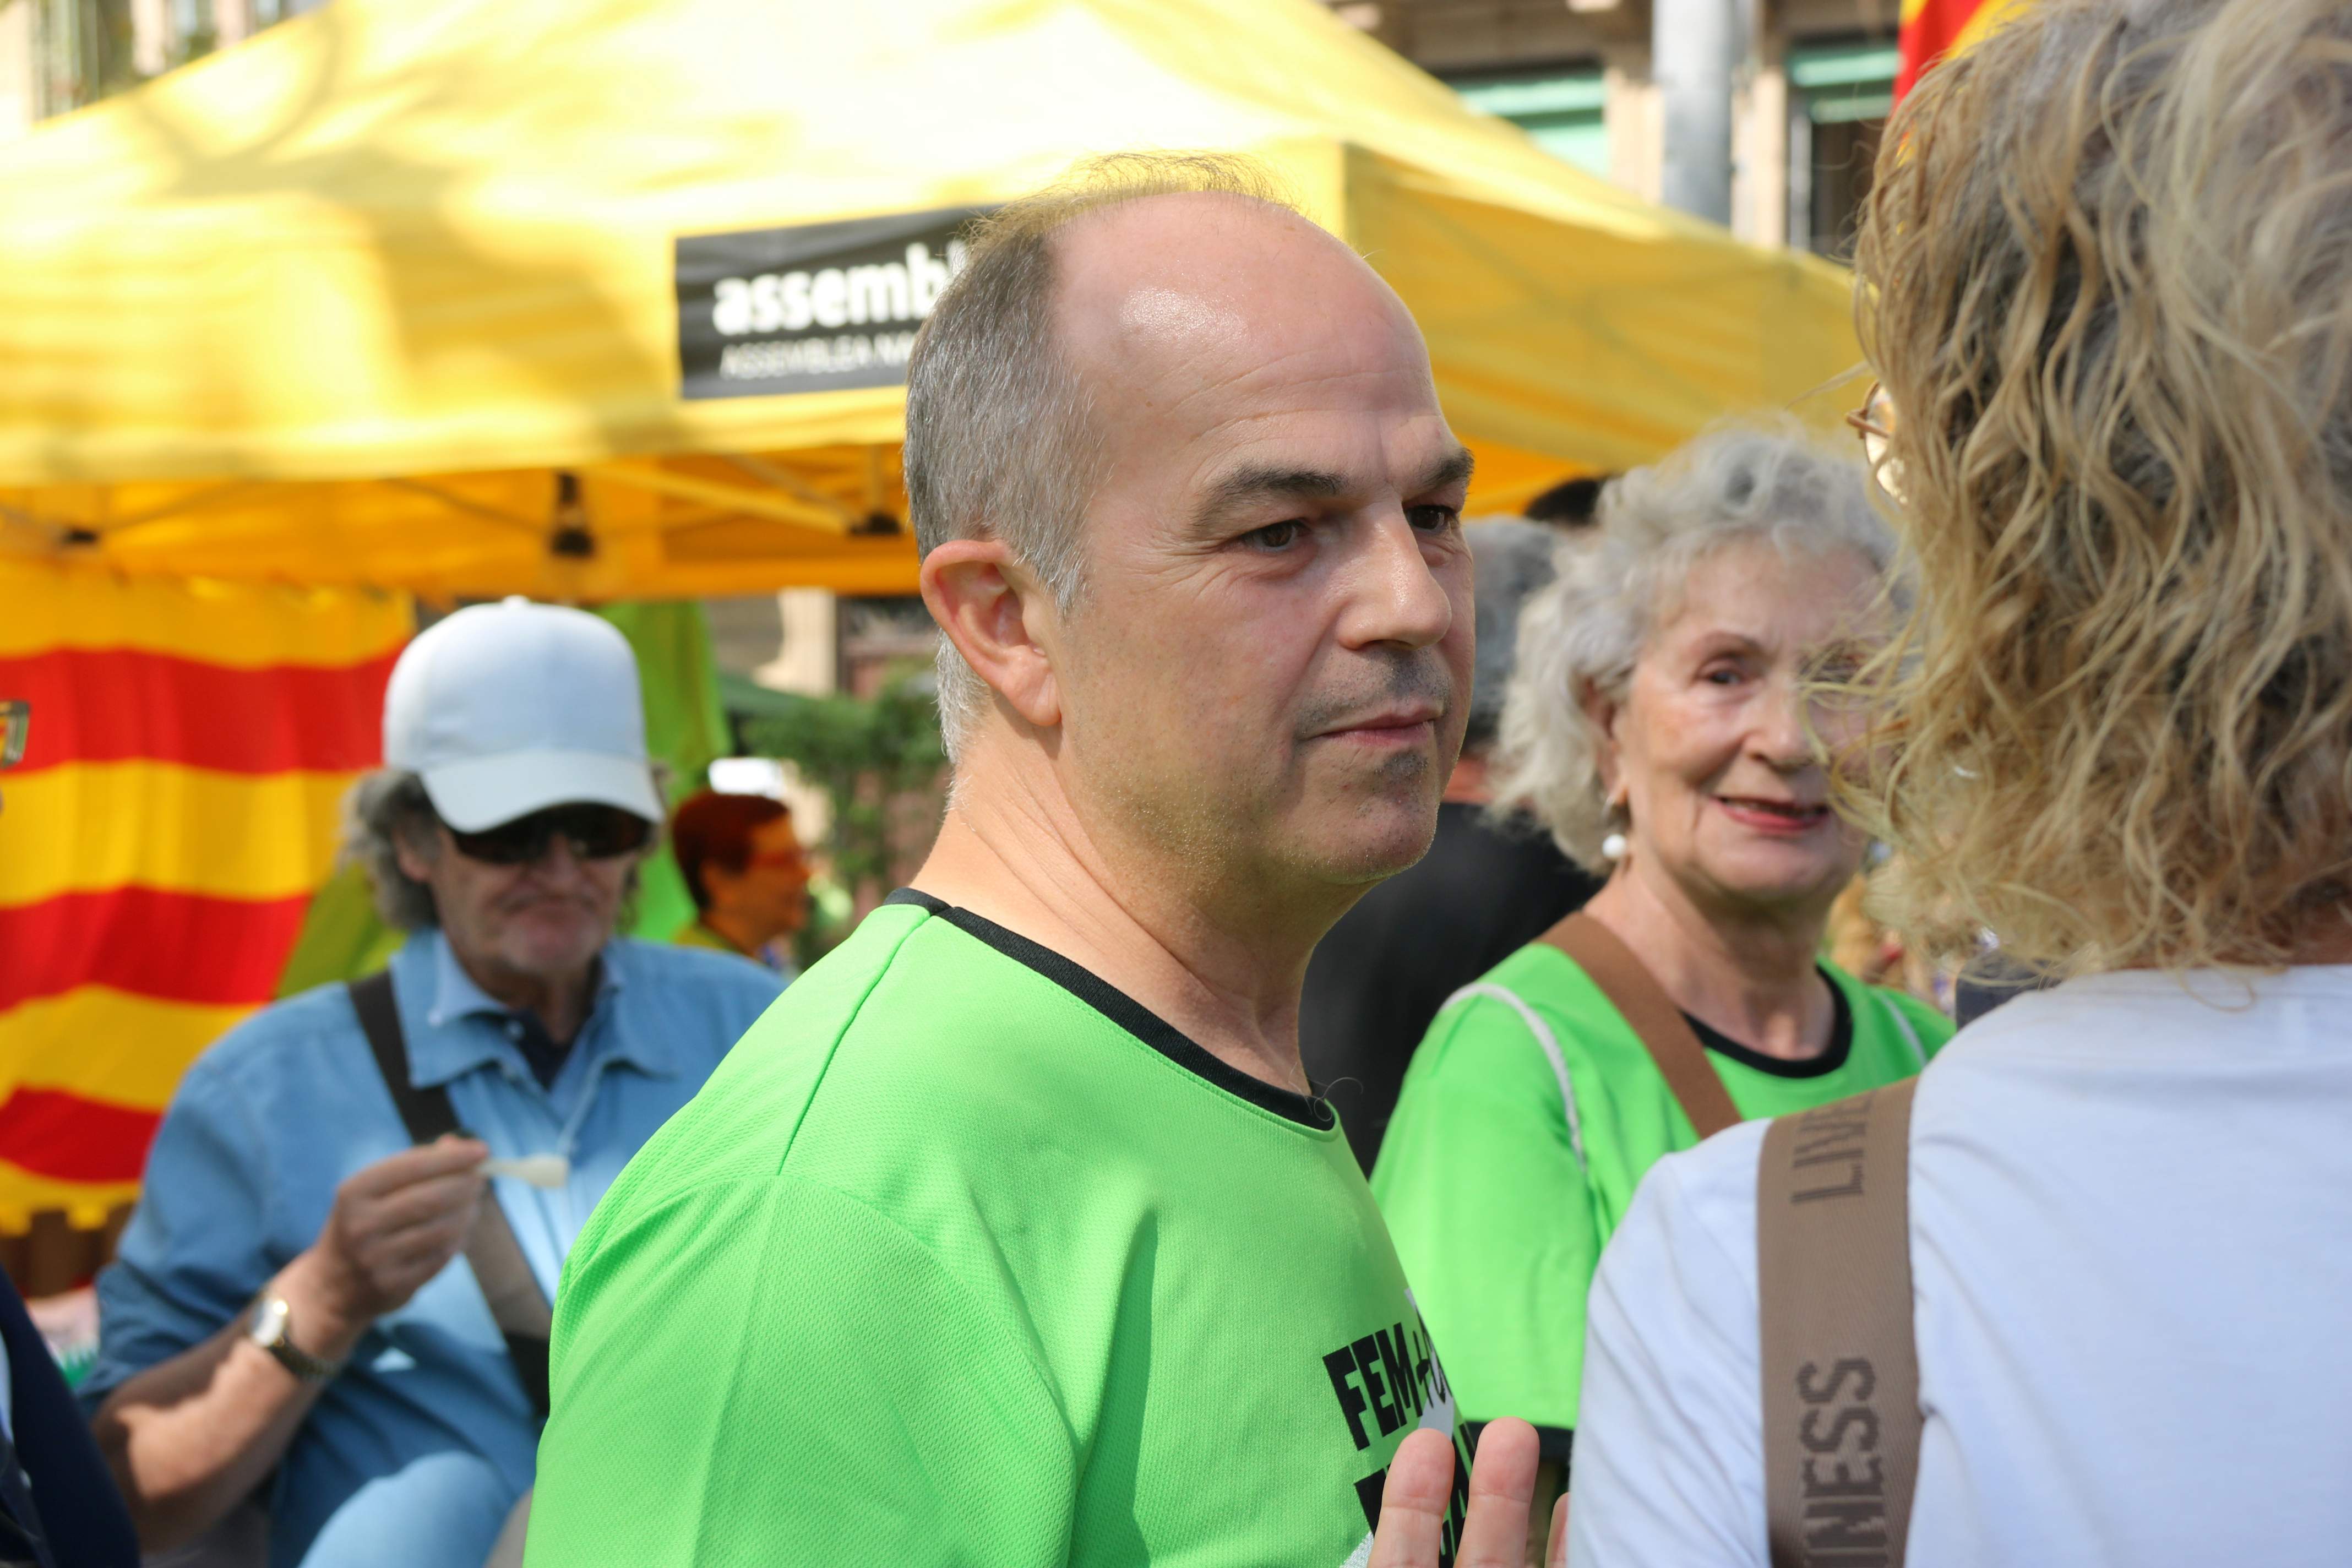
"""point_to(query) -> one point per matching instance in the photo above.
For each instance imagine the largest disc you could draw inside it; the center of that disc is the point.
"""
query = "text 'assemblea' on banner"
(816, 308)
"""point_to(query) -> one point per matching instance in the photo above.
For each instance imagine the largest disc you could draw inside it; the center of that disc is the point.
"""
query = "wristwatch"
(267, 1330)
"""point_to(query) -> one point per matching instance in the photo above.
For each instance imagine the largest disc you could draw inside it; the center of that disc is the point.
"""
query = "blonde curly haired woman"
(2107, 281)
(1657, 723)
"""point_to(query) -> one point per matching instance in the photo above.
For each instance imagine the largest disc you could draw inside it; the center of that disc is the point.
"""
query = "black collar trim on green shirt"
(1828, 1062)
(1127, 1012)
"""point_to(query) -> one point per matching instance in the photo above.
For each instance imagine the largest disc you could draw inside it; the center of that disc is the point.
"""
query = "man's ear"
(415, 863)
(992, 609)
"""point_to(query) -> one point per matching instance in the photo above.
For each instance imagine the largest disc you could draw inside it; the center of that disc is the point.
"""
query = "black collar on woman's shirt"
(1828, 1062)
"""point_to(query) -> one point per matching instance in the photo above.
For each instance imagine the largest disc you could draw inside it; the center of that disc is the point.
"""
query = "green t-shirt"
(1500, 1194)
(964, 1256)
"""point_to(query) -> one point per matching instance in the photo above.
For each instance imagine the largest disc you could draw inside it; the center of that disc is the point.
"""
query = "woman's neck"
(1752, 977)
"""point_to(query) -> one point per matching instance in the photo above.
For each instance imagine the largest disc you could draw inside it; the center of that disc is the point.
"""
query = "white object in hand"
(536, 1170)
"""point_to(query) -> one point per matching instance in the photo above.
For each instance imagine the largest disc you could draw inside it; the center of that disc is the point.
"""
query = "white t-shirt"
(2131, 1253)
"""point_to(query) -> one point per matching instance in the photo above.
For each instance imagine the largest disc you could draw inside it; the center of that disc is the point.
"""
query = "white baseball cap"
(507, 708)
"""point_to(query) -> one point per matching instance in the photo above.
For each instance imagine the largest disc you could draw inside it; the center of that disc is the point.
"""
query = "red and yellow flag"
(1933, 28)
(190, 744)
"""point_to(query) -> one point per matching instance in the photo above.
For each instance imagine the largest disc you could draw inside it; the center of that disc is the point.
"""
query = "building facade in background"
(1808, 105)
(59, 55)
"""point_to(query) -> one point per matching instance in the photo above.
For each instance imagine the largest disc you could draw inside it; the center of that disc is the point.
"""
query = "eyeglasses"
(15, 716)
(595, 833)
(1874, 421)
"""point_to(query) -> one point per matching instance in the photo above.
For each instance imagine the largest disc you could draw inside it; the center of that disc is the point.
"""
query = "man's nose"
(1394, 595)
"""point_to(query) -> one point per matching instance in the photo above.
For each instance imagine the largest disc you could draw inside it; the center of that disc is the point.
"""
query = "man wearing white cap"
(314, 1306)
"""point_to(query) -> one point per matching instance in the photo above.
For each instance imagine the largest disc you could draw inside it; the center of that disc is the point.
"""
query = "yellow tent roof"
(392, 293)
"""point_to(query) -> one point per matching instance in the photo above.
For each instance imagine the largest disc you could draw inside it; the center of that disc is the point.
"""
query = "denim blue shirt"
(414, 1453)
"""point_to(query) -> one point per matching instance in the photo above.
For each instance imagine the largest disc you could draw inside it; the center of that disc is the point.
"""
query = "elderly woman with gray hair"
(1658, 724)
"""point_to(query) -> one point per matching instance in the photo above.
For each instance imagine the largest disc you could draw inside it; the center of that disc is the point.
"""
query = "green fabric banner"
(686, 727)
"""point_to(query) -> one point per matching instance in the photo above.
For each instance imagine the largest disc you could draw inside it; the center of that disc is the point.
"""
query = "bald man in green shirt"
(1014, 1234)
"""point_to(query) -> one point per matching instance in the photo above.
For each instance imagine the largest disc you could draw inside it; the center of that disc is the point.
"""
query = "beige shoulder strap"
(1634, 992)
(1840, 1361)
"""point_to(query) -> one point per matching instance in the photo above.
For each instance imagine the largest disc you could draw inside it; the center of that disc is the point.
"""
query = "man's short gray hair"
(999, 441)
(1753, 480)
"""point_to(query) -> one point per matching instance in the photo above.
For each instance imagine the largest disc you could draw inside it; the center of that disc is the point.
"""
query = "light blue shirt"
(413, 1454)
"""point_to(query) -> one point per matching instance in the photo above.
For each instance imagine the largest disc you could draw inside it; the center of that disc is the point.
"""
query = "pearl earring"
(1612, 849)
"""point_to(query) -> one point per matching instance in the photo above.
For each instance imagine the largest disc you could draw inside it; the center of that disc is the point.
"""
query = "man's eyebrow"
(1453, 469)
(1257, 481)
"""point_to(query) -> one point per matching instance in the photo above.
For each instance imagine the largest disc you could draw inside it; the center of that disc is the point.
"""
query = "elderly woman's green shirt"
(1531, 1113)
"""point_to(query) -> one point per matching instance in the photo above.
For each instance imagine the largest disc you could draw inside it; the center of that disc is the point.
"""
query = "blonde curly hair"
(2106, 279)
(1763, 479)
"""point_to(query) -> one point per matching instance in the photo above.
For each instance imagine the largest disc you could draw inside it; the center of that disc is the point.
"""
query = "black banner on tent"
(812, 309)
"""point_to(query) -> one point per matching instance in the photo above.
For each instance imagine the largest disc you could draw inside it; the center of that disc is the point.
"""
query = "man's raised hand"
(1495, 1534)
(394, 1225)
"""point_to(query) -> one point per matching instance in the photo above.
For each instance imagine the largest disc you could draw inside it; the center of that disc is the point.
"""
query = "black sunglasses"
(595, 833)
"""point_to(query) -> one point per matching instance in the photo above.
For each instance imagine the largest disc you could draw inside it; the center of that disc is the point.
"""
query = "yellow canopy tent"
(473, 298)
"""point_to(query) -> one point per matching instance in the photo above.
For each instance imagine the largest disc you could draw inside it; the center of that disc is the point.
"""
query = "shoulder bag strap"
(516, 1302)
(426, 1112)
(1839, 1358)
(1635, 992)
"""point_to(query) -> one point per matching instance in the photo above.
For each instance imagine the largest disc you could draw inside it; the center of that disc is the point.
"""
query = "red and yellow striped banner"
(178, 803)
(1933, 28)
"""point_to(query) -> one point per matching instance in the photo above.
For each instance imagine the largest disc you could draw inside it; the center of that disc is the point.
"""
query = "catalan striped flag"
(1933, 28)
(190, 745)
